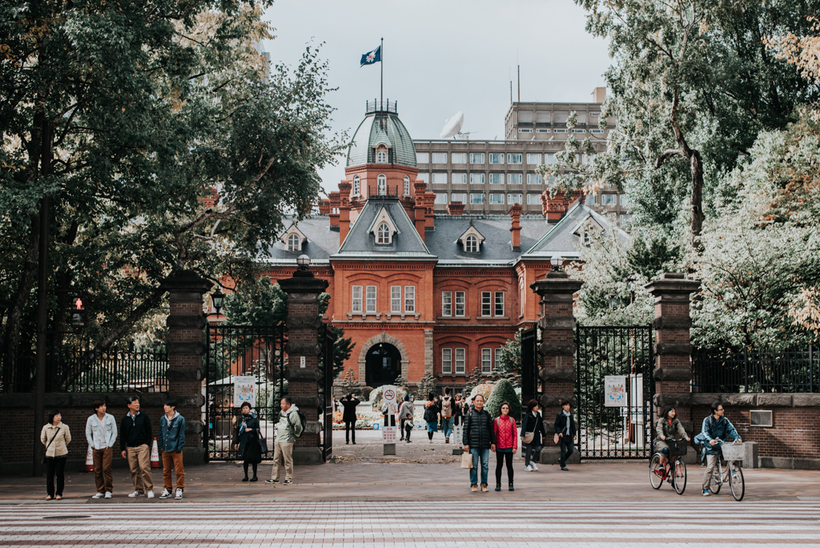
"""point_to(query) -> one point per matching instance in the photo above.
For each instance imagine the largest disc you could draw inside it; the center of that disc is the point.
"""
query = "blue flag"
(371, 57)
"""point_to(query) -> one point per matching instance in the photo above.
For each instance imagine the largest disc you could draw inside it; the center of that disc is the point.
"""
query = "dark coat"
(249, 450)
(349, 414)
(478, 430)
(535, 425)
(135, 432)
(561, 424)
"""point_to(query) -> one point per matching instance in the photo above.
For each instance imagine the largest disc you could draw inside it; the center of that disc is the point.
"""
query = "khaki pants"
(282, 452)
(103, 476)
(711, 464)
(139, 461)
(173, 459)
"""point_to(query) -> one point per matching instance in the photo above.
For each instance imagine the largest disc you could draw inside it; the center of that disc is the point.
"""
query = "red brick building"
(419, 292)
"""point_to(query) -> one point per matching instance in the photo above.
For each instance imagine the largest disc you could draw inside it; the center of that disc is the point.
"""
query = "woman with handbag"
(247, 441)
(55, 436)
(532, 434)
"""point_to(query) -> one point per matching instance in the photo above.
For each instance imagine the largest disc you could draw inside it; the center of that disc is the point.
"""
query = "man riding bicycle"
(715, 430)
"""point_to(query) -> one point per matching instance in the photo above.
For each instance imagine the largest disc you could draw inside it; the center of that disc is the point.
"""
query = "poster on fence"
(244, 390)
(615, 391)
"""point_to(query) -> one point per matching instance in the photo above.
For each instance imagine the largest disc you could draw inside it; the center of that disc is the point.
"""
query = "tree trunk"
(696, 206)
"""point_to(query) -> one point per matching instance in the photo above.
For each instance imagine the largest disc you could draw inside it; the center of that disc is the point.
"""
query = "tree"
(692, 85)
(428, 385)
(503, 391)
(162, 141)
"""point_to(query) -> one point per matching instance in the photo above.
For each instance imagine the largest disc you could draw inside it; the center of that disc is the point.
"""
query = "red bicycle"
(673, 471)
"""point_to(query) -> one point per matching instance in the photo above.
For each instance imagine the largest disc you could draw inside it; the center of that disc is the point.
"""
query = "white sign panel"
(389, 432)
(244, 390)
(615, 391)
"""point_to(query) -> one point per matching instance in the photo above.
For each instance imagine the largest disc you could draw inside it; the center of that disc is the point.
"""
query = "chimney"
(455, 208)
(598, 95)
(324, 207)
(555, 208)
(344, 210)
(334, 209)
(429, 211)
(515, 229)
(419, 211)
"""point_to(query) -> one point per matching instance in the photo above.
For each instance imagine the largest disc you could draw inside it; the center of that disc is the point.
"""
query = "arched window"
(383, 234)
(293, 243)
(406, 185)
(381, 157)
(471, 244)
(381, 186)
(356, 186)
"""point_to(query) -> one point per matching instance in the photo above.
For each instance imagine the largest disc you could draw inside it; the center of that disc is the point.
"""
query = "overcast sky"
(441, 57)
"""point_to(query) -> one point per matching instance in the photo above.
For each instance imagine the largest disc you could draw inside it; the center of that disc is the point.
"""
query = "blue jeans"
(447, 426)
(484, 454)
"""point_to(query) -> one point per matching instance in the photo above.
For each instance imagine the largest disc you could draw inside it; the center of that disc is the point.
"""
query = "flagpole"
(381, 66)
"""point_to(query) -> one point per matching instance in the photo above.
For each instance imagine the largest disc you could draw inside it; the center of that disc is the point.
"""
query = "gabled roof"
(361, 243)
(564, 238)
(383, 215)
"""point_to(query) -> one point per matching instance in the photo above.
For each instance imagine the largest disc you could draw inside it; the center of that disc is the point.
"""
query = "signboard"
(244, 390)
(615, 391)
(390, 430)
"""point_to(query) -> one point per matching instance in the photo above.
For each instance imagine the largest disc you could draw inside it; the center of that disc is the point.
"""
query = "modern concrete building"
(490, 176)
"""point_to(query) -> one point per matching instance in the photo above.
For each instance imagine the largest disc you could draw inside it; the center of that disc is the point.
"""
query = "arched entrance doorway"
(383, 365)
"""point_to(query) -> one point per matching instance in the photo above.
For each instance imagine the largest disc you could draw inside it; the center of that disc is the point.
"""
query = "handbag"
(263, 443)
(43, 460)
(528, 437)
(467, 460)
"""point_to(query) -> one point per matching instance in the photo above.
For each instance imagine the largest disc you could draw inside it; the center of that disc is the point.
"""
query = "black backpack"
(303, 420)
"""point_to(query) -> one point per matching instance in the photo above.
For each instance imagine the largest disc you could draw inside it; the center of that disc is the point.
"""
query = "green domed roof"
(381, 126)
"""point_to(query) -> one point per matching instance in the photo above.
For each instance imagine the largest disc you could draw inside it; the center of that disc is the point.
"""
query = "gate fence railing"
(795, 370)
(72, 369)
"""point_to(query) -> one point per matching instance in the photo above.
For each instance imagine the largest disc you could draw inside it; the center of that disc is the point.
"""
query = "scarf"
(568, 415)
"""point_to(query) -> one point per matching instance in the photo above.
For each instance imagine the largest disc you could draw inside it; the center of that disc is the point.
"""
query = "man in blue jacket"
(715, 430)
(171, 442)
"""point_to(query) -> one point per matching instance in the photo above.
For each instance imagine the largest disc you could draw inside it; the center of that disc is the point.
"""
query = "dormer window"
(471, 240)
(381, 157)
(293, 243)
(471, 244)
(381, 185)
(357, 186)
(406, 185)
(293, 239)
(383, 234)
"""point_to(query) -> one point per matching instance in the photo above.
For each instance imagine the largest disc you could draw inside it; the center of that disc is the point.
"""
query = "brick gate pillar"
(557, 375)
(186, 347)
(673, 368)
(303, 359)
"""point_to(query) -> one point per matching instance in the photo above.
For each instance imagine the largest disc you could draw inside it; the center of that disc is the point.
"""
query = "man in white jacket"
(101, 433)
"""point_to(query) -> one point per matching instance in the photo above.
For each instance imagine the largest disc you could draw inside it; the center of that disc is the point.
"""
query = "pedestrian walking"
(478, 439)
(406, 414)
(135, 445)
(532, 436)
(55, 436)
(458, 404)
(447, 412)
(506, 445)
(288, 429)
(171, 442)
(101, 434)
(349, 417)
(565, 433)
(431, 416)
(715, 430)
(246, 441)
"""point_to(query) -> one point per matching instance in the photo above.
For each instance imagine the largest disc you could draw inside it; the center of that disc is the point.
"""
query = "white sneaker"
(150, 494)
(98, 496)
(108, 494)
(528, 468)
(534, 466)
(179, 494)
(165, 494)
(135, 494)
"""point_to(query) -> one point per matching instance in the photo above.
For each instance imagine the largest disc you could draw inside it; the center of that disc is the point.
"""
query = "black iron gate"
(529, 366)
(614, 388)
(240, 358)
(327, 339)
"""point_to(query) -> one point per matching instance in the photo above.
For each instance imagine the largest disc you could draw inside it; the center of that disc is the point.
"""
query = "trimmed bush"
(366, 390)
(502, 392)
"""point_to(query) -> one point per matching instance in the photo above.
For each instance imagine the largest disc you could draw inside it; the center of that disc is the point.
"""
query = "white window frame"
(515, 157)
(422, 157)
(458, 178)
(439, 158)
(476, 157)
(447, 303)
(515, 178)
(497, 355)
(437, 176)
(496, 178)
(515, 198)
(498, 156)
(356, 300)
(486, 360)
(447, 361)
(383, 234)
(381, 157)
(471, 244)
(293, 243)
(496, 198)
(476, 178)
(460, 361)
(459, 305)
(357, 186)
(498, 304)
(441, 198)
(406, 185)
(456, 157)
(534, 158)
(371, 299)
(534, 179)
(476, 198)
(409, 299)
(486, 304)
(395, 299)
(533, 199)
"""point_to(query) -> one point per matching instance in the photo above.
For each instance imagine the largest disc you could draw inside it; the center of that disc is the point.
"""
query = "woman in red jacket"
(506, 435)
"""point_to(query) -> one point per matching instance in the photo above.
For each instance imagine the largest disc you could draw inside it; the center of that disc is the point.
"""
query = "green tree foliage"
(163, 141)
(504, 391)
(428, 385)
(692, 85)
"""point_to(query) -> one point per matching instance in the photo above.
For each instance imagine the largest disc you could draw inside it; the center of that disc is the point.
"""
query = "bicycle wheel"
(716, 482)
(736, 481)
(679, 479)
(656, 471)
